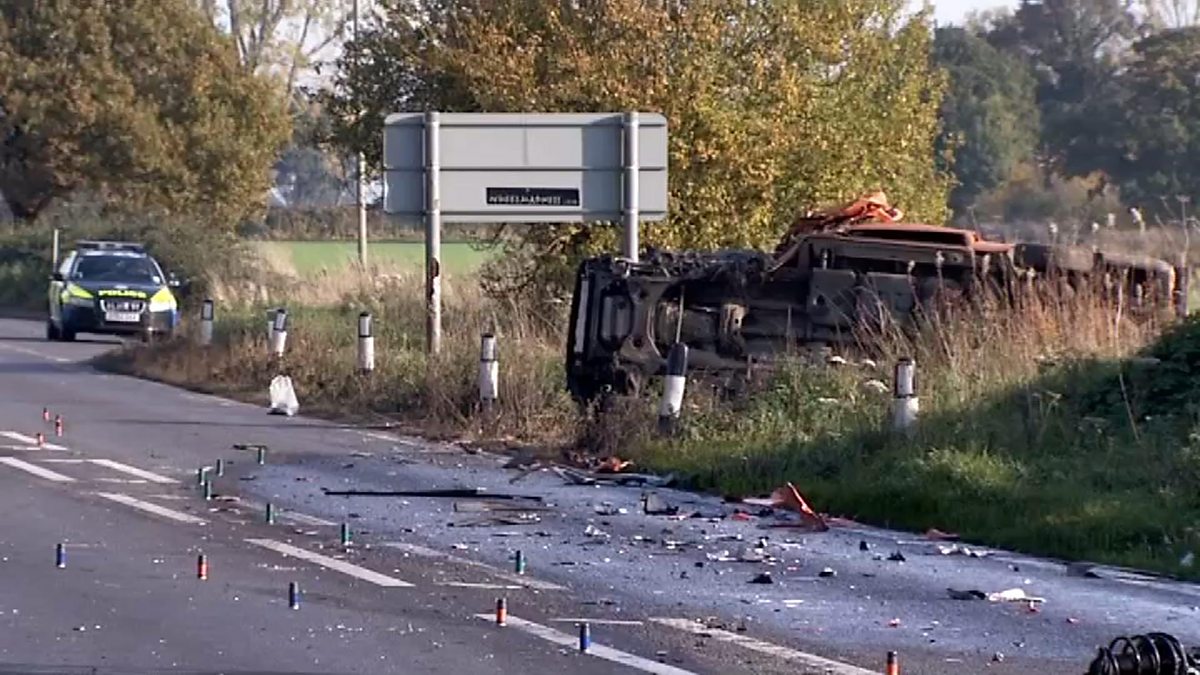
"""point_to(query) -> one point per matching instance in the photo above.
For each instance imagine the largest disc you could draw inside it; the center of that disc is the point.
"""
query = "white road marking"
(378, 436)
(599, 622)
(302, 518)
(803, 658)
(473, 584)
(40, 355)
(30, 440)
(597, 650)
(331, 563)
(426, 552)
(122, 481)
(40, 472)
(148, 507)
(62, 460)
(305, 519)
(133, 471)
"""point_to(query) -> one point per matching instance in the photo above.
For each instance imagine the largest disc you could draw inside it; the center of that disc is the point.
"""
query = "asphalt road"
(415, 592)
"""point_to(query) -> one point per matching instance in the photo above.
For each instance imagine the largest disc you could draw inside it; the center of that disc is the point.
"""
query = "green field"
(310, 256)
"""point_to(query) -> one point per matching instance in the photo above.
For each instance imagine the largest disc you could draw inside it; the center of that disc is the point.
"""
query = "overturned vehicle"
(832, 273)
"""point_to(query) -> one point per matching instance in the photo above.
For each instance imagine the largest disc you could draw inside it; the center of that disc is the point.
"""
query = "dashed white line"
(305, 519)
(331, 563)
(40, 472)
(133, 471)
(302, 518)
(30, 440)
(426, 552)
(597, 650)
(474, 584)
(598, 622)
(122, 481)
(149, 507)
(30, 352)
(378, 436)
(809, 660)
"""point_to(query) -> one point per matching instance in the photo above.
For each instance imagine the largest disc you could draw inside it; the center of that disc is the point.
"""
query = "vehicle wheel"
(52, 333)
(66, 335)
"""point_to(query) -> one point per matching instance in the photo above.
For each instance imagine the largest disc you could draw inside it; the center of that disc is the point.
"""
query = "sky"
(955, 11)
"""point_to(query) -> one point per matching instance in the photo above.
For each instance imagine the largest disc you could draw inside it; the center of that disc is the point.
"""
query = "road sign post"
(521, 168)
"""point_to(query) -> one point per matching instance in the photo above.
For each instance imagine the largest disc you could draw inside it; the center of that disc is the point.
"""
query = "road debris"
(1013, 595)
(580, 477)
(452, 493)
(827, 573)
(937, 535)
(966, 595)
(788, 497)
(897, 557)
(283, 396)
(653, 505)
(594, 532)
(763, 578)
(1082, 569)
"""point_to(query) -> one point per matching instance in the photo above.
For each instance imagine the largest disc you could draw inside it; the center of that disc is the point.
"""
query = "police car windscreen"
(117, 268)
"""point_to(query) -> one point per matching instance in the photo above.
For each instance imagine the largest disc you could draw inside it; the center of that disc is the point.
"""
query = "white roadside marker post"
(489, 374)
(366, 344)
(206, 322)
(279, 333)
(673, 387)
(905, 405)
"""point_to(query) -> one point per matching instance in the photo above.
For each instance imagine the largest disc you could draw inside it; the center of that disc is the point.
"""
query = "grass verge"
(1059, 430)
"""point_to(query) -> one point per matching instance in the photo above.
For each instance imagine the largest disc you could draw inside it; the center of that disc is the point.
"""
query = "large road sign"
(522, 168)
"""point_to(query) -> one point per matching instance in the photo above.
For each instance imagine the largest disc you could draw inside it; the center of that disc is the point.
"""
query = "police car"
(112, 288)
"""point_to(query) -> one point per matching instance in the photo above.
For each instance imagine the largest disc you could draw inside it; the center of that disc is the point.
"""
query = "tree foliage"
(286, 36)
(141, 102)
(1074, 48)
(1156, 155)
(989, 114)
(772, 106)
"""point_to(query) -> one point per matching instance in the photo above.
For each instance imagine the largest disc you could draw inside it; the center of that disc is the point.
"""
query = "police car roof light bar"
(95, 244)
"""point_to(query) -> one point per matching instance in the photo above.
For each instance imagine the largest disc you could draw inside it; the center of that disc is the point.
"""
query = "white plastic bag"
(283, 396)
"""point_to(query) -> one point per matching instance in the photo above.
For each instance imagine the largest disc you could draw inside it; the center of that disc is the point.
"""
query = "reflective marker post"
(366, 344)
(206, 323)
(279, 332)
(905, 404)
(489, 373)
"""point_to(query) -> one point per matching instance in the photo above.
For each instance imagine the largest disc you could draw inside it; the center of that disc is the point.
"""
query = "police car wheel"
(66, 335)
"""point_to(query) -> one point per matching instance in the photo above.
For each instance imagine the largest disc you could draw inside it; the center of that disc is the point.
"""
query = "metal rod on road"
(433, 233)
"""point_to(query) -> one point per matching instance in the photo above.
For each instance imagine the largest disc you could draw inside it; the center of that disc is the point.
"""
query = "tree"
(1166, 14)
(989, 114)
(141, 102)
(772, 106)
(1156, 155)
(1074, 48)
(280, 35)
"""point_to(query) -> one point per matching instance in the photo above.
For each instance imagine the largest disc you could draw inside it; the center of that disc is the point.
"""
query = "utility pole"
(359, 165)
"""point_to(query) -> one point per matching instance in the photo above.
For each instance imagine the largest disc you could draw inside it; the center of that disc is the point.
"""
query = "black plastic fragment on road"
(453, 493)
